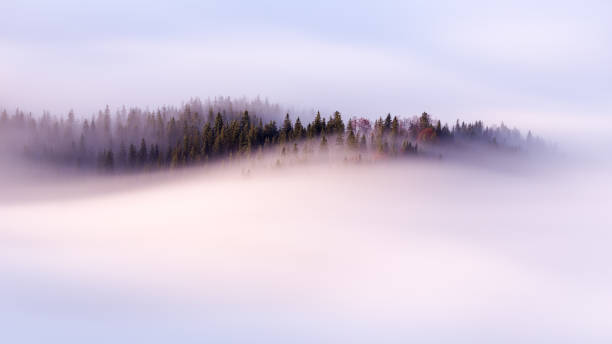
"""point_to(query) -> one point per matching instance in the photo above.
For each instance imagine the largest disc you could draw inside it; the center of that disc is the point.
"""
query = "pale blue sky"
(517, 60)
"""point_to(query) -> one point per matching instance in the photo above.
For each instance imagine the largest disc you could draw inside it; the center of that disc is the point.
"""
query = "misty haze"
(420, 173)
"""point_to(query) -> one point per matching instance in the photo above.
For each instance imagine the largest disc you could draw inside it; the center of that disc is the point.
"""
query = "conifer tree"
(298, 129)
(351, 139)
(338, 124)
(317, 125)
(142, 153)
(217, 148)
(245, 121)
(218, 124)
(286, 131)
(395, 128)
(387, 124)
(424, 121)
(172, 132)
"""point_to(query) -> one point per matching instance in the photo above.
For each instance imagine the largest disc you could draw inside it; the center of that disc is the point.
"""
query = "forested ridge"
(200, 133)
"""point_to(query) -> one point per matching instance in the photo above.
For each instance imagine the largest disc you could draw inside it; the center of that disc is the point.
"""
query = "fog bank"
(426, 251)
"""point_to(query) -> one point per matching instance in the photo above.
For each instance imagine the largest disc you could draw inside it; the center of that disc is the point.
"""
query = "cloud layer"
(468, 59)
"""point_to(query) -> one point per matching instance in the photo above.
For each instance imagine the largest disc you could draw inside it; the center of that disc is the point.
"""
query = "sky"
(517, 61)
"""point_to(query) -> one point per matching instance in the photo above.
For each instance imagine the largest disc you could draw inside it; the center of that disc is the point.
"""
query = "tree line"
(169, 138)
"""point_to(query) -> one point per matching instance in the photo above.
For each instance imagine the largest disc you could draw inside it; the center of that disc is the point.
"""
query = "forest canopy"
(203, 132)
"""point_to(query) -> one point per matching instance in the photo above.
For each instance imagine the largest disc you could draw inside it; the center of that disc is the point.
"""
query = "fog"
(410, 250)
(468, 59)
(469, 245)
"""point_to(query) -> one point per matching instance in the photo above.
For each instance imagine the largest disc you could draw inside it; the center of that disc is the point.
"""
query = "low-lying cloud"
(411, 250)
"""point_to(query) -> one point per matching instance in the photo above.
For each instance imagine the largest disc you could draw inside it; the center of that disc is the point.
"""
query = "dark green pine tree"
(317, 126)
(172, 132)
(395, 128)
(217, 148)
(351, 139)
(298, 129)
(218, 124)
(387, 124)
(337, 123)
(208, 139)
(186, 149)
(245, 121)
(286, 132)
(424, 121)
(438, 129)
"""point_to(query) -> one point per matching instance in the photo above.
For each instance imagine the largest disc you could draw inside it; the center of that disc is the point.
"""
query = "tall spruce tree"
(142, 153)
(299, 132)
(351, 139)
(286, 132)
